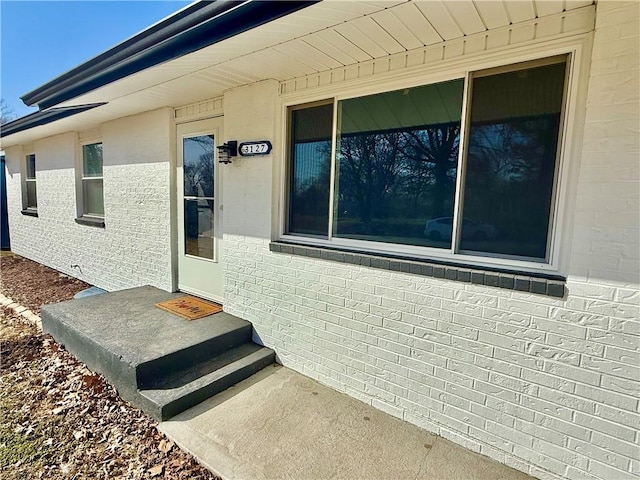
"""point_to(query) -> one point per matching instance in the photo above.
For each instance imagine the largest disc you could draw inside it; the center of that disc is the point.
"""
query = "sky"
(40, 40)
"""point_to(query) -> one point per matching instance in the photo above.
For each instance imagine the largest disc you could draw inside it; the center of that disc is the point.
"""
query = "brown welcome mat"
(189, 307)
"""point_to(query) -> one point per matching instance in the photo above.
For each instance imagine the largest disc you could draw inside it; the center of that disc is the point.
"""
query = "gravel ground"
(58, 420)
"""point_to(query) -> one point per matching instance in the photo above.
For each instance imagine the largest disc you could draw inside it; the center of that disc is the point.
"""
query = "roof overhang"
(43, 118)
(197, 26)
(314, 40)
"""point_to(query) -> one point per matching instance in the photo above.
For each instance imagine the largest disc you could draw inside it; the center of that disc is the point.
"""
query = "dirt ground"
(58, 420)
(32, 285)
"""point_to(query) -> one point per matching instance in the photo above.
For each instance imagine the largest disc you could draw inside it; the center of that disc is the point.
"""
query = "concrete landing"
(279, 424)
(158, 361)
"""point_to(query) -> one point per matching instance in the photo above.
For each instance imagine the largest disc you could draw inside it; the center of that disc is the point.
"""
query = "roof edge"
(188, 30)
(38, 119)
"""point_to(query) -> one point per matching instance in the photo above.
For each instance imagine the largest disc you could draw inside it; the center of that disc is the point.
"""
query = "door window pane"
(310, 173)
(92, 160)
(198, 159)
(513, 141)
(397, 157)
(199, 228)
(93, 196)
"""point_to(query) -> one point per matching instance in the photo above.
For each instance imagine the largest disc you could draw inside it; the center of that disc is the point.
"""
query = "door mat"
(189, 307)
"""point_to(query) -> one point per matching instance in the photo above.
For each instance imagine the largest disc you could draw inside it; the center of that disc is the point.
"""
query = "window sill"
(541, 284)
(91, 221)
(29, 212)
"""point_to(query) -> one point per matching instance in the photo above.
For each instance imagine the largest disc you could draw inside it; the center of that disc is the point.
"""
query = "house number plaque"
(249, 149)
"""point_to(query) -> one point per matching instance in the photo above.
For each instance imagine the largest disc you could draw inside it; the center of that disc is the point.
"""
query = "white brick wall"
(135, 247)
(549, 386)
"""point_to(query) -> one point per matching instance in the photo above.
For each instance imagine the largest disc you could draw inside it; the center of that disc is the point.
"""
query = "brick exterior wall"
(135, 246)
(548, 386)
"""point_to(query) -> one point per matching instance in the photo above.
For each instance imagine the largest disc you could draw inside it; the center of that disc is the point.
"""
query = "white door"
(199, 190)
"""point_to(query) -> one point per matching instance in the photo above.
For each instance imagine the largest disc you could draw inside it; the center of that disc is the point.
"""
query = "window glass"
(93, 196)
(310, 170)
(92, 186)
(30, 182)
(396, 158)
(31, 166)
(92, 160)
(513, 141)
(32, 199)
(199, 227)
(198, 158)
(199, 184)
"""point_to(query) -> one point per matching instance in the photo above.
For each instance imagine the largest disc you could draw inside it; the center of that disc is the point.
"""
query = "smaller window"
(31, 199)
(92, 191)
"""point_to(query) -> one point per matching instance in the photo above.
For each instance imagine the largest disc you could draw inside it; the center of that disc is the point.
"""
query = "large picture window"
(403, 168)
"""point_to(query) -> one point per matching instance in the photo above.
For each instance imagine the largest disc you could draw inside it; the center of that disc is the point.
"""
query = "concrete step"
(151, 372)
(141, 348)
(182, 389)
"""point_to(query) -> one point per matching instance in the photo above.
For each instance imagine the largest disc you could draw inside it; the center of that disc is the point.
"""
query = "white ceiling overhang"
(325, 36)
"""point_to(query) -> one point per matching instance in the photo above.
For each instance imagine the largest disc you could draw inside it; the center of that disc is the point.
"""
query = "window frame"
(26, 208)
(572, 121)
(81, 178)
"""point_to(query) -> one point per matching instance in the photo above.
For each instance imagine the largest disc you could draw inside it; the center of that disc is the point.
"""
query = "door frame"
(182, 130)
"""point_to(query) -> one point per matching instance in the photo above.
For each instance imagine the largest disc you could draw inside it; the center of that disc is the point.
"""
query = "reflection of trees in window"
(310, 170)
(391, 182)
(510, 180)
(198, 166)
(310, 186)
(434, 152)
(93, 160)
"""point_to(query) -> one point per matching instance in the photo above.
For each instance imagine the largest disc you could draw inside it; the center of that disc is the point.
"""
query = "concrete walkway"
(279, 424)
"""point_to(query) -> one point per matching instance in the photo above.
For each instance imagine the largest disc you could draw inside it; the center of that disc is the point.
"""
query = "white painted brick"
(564, 399)
(571, 458)
(519, 333)
(606, 471)
(559, 328)
(573, 373)
(507, 340)
(622, 355)
(493, 415)
(573, 345)
(620, 385)
(525, 363)
(510, 318)
(536, 431)
(511, 409)
(605, 426)
(609, 367)
(614, 338)
(568, 428)
(541, 459)
(447, 351)
(490, 439)
(604, 396)
(619, 416)
(552, 353)
(496, 391)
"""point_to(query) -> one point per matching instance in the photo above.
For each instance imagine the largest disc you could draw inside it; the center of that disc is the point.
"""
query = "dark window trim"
(29, 212)
(91, 221)
(539, 283)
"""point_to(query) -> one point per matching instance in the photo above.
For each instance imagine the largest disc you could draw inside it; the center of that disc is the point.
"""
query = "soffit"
(321, 37)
